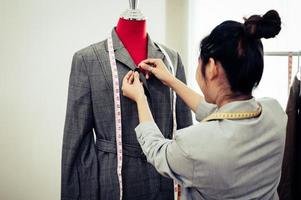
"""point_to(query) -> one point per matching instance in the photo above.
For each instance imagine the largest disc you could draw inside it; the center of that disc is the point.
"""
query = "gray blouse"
(222, 159)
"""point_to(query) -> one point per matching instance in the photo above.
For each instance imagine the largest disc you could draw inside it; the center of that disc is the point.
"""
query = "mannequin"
(89, 164)
(131, 30)
(133, 35)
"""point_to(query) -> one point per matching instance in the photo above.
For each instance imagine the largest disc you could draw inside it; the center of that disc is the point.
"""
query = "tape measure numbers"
(117, 109)
(234, 115)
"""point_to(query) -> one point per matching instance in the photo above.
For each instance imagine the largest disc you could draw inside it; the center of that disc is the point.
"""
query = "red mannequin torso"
(133, 35)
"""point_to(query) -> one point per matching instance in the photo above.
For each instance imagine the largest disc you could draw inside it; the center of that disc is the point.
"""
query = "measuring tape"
(177, 188)
(117, 108)
(234, 115)
(289, 70)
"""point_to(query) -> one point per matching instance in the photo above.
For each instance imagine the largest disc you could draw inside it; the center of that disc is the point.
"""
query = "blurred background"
(38, 39)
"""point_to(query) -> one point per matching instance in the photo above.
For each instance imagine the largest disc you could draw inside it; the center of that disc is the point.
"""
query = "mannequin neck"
(131, 29)
(133, 35)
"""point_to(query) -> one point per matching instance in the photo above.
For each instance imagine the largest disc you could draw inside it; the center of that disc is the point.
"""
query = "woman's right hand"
(158, 69)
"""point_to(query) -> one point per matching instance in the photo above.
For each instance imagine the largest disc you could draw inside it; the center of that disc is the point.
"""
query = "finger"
(136, 78)
(147, 75)
(148, 60)
(131, 78)
(146, 67)
(151, 61)
(136, 75)
(127, 76)
(125, 81)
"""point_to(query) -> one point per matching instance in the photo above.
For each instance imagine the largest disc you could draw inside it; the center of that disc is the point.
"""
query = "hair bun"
(266, 26)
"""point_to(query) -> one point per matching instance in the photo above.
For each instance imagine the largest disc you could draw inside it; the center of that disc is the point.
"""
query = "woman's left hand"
(132, 87)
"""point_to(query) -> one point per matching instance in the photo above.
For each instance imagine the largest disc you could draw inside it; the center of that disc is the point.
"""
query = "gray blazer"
(88, 166)
(222, 159)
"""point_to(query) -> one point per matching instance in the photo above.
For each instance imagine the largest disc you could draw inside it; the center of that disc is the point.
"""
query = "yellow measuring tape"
(234, 115)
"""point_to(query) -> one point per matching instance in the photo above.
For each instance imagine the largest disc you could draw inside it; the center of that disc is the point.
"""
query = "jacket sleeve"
(79, 165)
(183, 112)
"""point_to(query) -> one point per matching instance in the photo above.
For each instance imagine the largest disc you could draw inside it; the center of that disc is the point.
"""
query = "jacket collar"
(249, 105)
(123, 56)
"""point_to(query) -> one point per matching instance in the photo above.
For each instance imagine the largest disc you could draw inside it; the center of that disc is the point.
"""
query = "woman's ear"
(211, 69)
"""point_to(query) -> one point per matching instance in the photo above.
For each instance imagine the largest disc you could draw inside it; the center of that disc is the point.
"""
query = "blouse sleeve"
(183, 112)
(165, 155)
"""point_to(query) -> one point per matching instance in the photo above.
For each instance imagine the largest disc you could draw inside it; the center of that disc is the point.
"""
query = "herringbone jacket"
(88, 164)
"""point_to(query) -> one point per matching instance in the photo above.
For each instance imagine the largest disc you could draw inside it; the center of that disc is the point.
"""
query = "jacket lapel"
(152, 50)
(123, 56)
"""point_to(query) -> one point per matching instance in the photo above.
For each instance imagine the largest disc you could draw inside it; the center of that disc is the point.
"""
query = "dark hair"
(237, 46)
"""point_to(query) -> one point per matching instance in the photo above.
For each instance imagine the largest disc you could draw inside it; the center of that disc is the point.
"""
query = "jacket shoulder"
(173, 55)
(171, 52)
(88, 52)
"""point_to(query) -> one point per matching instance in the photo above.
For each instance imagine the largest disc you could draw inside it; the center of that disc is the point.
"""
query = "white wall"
(177, 28)
(37, 41)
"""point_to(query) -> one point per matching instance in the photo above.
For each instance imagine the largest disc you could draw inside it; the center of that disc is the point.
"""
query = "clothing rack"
(282, 53)
(287, 53)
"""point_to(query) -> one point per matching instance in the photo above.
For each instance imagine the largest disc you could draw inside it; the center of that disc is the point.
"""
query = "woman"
(236, 152)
